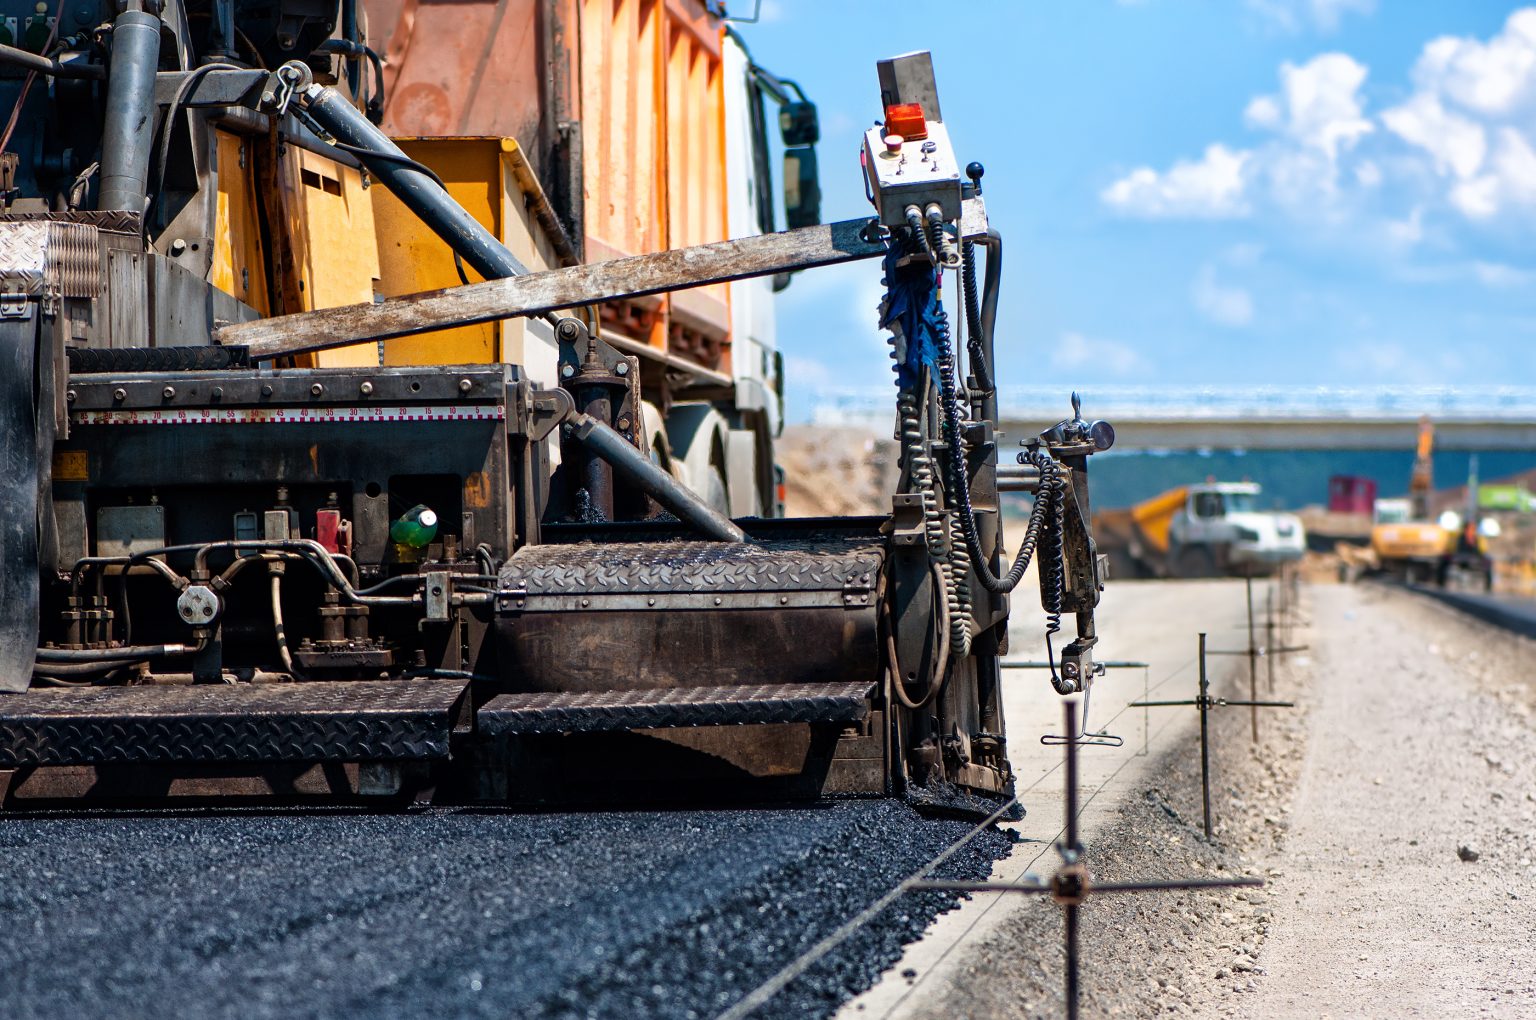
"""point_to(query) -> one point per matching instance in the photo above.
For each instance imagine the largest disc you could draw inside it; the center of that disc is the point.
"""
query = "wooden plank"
(537, 293)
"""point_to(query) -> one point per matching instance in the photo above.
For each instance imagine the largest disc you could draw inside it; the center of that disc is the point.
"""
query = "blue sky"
(1231, 192)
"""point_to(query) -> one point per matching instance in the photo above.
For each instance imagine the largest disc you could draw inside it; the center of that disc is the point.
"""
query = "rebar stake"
(1072, 884)
(1204, 702)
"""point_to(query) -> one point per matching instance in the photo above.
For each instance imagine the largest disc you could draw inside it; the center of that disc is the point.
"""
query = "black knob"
(974, 172)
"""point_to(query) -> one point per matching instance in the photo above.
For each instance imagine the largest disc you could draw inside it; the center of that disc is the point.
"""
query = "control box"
(906, 171)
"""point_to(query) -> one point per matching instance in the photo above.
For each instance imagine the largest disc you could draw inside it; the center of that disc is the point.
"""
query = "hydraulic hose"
(1047, 500)
(99, 655)
(278, 630)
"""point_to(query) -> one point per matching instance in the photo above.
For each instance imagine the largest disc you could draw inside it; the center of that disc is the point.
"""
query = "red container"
(1351, 494)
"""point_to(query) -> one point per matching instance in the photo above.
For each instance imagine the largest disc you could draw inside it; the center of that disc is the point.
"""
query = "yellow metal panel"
(239, 266)
(340, 260)
(488, 177)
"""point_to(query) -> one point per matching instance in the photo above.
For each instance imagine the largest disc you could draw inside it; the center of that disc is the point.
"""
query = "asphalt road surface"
(455, 913)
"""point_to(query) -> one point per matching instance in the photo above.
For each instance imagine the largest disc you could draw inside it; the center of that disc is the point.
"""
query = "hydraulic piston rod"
(406, 181)
(129, 127)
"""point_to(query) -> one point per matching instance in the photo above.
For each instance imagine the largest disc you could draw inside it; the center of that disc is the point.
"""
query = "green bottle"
(415, 528)
(35, 34)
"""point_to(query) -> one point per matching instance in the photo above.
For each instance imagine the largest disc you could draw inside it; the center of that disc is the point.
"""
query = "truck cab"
(1221, 522)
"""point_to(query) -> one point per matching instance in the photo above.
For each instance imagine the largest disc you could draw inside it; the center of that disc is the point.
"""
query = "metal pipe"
(129, 127)
(29, 61)
(653, 481)
(1205, 745)
(990, 290)
(1018, 478)
(420, 193)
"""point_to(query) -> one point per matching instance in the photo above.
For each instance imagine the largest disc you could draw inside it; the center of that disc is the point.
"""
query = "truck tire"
(1194, 562)
(697, 436)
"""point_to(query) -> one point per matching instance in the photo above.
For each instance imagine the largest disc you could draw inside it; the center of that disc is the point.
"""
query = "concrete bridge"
(1253, 418)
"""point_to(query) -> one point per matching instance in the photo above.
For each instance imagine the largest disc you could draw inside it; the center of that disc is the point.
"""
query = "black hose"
(1047, 500)
(168, 128)
(69, 670)
(980, 320)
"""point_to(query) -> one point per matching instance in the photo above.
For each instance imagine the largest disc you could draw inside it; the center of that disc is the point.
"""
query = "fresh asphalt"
(456, 913)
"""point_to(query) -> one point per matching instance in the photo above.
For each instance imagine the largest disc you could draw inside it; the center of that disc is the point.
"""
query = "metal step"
(303, 722)
(608, 711)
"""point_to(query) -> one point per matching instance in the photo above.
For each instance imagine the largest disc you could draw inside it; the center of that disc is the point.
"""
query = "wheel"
(697, 434)
(1195, 561)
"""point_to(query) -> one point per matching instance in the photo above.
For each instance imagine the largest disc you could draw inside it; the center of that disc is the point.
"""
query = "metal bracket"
(548, 410)
(907, 519)
(282, 85)
(14, 306)
(437, 596)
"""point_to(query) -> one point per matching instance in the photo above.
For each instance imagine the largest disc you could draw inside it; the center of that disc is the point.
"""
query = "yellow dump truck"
(1212, 529)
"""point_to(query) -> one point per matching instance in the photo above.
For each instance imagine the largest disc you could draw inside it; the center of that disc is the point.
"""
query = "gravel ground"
(1408, 886)
(1393, 816)
(453, 913)
(1145, 954)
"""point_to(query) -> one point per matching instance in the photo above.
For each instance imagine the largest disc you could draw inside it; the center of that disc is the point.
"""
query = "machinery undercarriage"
(229, 574)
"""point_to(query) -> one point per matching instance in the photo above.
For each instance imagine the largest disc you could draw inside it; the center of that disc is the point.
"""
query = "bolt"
(316, 389)
(178, 246)
(783, 600)
(650, 602)
(622, 368)
(168, 392)
(119, 394)
(266, 391)
(465, 385)
(624, 421)
(717, 600)
(69, 395)
(366, 389)
(585, 603)
(568, 329)
(566, 371)
(217, 393)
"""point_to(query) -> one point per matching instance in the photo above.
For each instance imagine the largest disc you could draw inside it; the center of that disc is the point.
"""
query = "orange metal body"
(634, 86)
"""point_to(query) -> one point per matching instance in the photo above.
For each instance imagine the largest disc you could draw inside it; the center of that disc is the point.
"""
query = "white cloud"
(1223, 305)
(1295, 15)
(1209, 188)
(806, 374)
(1316, 117)
(1075, 352)
(1491, 78)
(1510, 179)
(1472, 114)
(1319, 104)
(1409, 231)
(1499, 276)
(1456, 144)
(1244, 253)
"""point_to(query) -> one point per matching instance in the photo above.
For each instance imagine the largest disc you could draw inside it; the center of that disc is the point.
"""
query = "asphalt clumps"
(462, 913)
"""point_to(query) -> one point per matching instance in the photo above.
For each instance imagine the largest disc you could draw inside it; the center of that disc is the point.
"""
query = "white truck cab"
(1221, 523)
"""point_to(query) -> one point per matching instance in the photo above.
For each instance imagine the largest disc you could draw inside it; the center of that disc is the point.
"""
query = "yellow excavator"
(1410, 543)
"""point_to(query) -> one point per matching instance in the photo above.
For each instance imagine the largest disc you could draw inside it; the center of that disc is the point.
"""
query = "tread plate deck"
(608, 711)
(320, 721)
